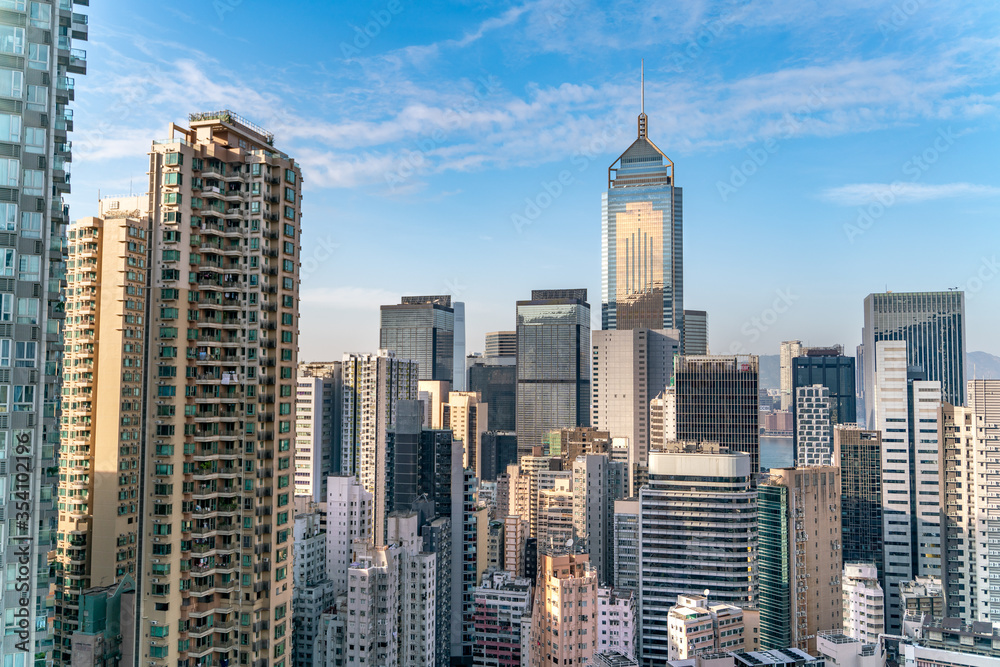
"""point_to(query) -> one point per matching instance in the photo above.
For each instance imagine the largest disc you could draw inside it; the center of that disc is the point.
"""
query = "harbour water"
(775, 452)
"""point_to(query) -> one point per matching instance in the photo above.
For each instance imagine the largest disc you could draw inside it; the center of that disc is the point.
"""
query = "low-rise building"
(695, 626)
(841, 650)
(501, 602)
(616, 614)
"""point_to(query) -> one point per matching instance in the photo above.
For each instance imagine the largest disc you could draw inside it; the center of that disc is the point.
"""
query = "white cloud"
(857, 194)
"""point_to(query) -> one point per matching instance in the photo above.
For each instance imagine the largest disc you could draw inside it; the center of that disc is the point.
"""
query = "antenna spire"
(642, 103)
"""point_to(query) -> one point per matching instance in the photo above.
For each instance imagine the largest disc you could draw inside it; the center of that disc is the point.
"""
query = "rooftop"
(235, 120)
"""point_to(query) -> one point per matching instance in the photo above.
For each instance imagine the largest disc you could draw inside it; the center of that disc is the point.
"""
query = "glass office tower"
(642, 278)
(422, 329)
(830, 368)
(933, 326)
(553, 364)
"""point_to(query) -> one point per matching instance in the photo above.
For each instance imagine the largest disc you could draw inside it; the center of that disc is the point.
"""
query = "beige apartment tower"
(222, 347)
(102, 448)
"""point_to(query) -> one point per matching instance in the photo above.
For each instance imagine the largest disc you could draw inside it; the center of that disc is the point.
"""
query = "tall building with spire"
(642, 256)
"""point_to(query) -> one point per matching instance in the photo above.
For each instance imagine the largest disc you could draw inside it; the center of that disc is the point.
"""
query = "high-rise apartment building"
(859, 454)
(466, 415)
(630, 368)
(695, 332)
(103, 390)
(717, 401)
(312, 591)
(905, 410)
(422, 329)
(501, 602)
(348, 518)
(555, 519)
(864, 603)
(598, 482)
(617, 614)
(373, 383)
(37, 87)
(696, 627)
(319, 403)
(663, 419)
(501, 345)
(221, 349)
(564, 618)
(553, 364)
(790, 349)
(932, 326)
(969, 455)
(813, 434)
(799, 556)
(697, 530)
(642, 240)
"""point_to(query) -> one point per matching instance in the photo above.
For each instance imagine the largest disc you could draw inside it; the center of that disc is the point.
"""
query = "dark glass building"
(830, 368)
(498, 387)
(497, 450)
(860, 454)
(933, 326)
(422, 328)
(553, 364)
(717, 401)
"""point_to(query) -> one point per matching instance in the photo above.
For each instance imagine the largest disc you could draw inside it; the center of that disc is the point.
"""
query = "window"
(38, 98)
(6, 307)
(24, 397)
(173, 159)
(288, 265)
(38, 56)
(29, 267)
(7, 262)
(34, 182)
(290, 195)
(10, 170)
(171, 255)
(289, 230)
(172, 198)
(26, 354)
(31, 225)
(287, 283)
(8, 217)
(41, 15)
(289, 248)
(11, 39)
(11, 83)
(289, 212)
(10, 127)
(172, 178)
(290, 176)
(5, 347)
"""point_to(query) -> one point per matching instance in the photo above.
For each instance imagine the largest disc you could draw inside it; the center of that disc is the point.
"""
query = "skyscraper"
(500, 345)
(460, 377)
(497, 384)
(790, 349)
(373, 383)
(831, 369)
(319, 399)
(859, 454)
(422, 329)
(813, 434)
(630, 369)
(698, 530)
(642, 239)
(553, 364)
(717, 400)
(597, 483)
(557, 636)
(37, 85)
(466, 415)
(103, 388)
(799, 556)
(905, 410)
(932, 324)
(221, 359)
(695, 332)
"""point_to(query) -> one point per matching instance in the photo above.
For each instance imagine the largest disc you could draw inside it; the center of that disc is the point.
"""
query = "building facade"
(630, 368)
(501, 602)
(564, 619)
(318, 410)
(497, 385)
(859, 454)
(813, 445)
(717, 401)
(695, 626)
(790, 349)
(553, 364)
(697, 530)
(695, 332)
(422, 329)
(864, 603)
(642, 240)
(799, 556)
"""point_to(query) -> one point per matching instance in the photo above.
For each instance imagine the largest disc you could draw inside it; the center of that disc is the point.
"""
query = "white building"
(663, 419)
(597, 483)
(630, 367)
(840, 650)
(555, 518)
(318, 407)
(695, 627)
(348, 518)
(616, 621)
(813, 434)
(312, 592)
(789, 350)
(906, 411)
(864, 603)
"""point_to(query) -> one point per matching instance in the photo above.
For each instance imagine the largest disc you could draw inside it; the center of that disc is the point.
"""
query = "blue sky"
(826, 150)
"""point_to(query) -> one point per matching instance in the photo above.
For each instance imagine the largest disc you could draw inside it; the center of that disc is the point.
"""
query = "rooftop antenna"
(642, 98)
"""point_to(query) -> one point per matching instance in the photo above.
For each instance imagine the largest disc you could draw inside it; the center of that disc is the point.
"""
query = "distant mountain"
(983, 366)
